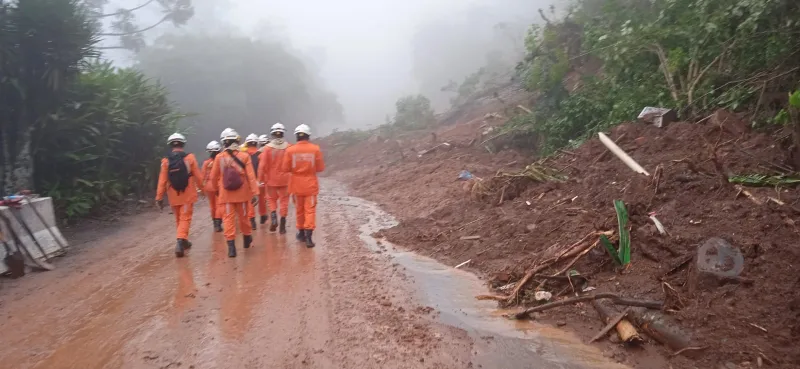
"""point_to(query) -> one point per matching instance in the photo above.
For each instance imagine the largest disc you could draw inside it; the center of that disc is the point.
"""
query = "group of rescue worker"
(236, 179)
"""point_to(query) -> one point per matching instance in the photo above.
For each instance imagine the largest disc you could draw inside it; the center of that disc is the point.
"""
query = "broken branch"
(616, 299)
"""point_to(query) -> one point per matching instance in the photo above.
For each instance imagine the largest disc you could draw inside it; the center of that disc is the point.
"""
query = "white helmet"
(213, 146)
(176, 137)
(251, 138)
(229, 134)
(303, 129)
(277, 127)
(263, 139)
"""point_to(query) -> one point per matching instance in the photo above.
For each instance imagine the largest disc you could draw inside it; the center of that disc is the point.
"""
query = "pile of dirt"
(519, 223)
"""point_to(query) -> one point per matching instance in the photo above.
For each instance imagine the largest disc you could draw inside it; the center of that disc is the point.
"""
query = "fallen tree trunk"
(625, 330)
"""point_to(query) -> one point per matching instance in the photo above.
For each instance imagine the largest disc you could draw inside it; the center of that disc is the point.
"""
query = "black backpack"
(178, 174)
(254, 159)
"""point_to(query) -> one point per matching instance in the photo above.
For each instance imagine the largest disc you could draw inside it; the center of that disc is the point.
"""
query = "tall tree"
(42, 46)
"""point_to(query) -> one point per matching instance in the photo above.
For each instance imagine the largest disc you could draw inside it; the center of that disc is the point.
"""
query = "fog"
(370, 53)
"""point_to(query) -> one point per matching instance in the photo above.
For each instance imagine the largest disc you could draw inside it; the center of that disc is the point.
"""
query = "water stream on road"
(499, 342)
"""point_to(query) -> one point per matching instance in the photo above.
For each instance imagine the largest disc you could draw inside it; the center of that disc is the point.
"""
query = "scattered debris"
(658, 224)
(470, 238)
(462, 264)
(660, 327)
(625, 330)
(465, 175)
(716, 260)
(658, 117)
(616, 299)
(444, 145)
(542, 296)
(621, 154)
(760, 180)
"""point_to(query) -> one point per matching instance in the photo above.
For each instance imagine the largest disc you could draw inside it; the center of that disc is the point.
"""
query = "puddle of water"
(499, 342)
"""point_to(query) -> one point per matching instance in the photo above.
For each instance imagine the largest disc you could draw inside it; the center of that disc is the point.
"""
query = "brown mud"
(122, 300)
(509, 229)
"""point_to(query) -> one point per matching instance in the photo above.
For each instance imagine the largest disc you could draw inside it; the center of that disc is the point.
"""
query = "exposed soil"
(520, 222)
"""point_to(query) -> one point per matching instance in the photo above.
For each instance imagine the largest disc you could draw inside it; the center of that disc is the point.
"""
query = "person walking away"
(234, 180)
(175, 180)
(251, 145)
(213, 149)
(275, 180)
(303, 161)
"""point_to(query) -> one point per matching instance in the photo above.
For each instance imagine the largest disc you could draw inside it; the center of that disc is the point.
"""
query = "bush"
(105, 142)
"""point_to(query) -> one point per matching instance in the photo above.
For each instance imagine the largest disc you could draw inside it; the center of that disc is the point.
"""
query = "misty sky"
(364, 46)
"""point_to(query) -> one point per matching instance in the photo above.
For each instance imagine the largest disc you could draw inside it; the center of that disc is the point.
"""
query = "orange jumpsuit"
(304, 160)
(262, 201)
(277, 181)
(182, 203)
(208, 188)
(234, 202)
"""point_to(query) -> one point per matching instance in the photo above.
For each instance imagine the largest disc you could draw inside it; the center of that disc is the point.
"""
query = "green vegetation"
(87, 134)
(413, 112)
(605, 60)
(622, 254)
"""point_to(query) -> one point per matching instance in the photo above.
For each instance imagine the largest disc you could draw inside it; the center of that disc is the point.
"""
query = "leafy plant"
(622, 254)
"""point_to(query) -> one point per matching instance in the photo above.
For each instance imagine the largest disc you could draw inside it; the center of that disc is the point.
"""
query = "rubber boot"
(283, 226)
(187, 244)
(309, 241)
(248, 239)
(264, 219)
(231, 249)
(179, 248)
(273, 225)
(218, 225)
(301, 235)
(253, 223)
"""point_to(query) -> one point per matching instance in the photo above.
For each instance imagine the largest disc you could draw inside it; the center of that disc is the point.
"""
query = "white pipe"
(621, 154)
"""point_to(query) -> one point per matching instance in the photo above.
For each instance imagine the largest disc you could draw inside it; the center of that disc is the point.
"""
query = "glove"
(201, 194)
(160, 205)
(254, 200)
(260, 184)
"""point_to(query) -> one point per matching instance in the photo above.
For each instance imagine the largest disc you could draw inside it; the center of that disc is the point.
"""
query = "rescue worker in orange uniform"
(234, 180)
(213, 149)
(275, 180)
(181, 180)
(303, 161)
(251, 143)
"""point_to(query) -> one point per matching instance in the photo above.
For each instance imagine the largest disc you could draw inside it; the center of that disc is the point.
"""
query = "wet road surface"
(122, 300)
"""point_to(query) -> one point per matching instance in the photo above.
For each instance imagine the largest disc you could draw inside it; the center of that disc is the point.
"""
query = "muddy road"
(122, 300)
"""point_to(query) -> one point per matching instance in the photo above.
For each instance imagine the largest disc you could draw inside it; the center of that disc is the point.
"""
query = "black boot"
(218, 225)
(309, 241)
(301, 235)
(231, 249)
(253, 223)
(283, 226)
(186, 244)
(248, 239)
(264, 219)
(179, 248)
(273, 225)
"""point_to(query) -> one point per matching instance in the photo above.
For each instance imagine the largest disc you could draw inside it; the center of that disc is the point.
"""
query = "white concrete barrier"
(43, 233)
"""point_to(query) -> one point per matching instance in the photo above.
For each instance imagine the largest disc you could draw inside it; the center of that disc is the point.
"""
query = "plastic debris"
(465, 175)
(542, 296)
